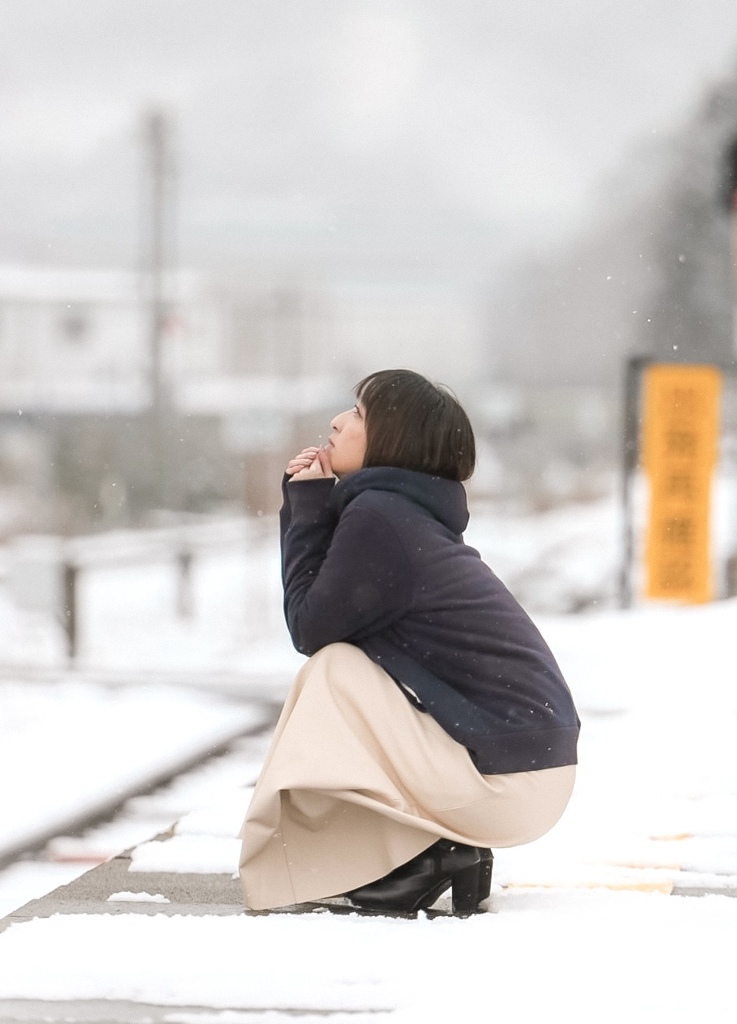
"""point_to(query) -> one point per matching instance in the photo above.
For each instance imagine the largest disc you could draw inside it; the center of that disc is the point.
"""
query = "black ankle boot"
(418, 883)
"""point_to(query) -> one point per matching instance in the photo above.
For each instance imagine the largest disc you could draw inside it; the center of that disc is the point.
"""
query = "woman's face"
(347, 442)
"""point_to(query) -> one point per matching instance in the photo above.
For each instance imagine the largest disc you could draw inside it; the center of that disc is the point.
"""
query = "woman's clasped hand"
(311, 463)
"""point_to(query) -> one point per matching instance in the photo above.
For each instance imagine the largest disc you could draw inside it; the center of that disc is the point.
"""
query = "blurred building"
(250, 371)
(76, 390)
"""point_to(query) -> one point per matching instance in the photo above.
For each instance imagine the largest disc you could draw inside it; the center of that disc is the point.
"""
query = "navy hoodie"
(378, 560)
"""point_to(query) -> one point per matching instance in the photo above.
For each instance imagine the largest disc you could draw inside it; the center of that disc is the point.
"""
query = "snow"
(137, 897)
(204, 840)
(589, 956)
(195, 854)
(271, 1017)
(28, 880)
(223, 818)
(562, 560)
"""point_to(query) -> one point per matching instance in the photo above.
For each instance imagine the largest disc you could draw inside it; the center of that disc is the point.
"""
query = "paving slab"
(186, 893)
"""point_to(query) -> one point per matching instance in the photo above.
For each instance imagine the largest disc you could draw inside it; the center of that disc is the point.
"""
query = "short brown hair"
(412, 423)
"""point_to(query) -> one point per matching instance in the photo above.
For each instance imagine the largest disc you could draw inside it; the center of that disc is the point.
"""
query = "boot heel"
(466, 888)
(472, 885)
(487, 864)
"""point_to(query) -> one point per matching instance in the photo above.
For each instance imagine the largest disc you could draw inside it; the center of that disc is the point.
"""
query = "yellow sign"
(679, 452)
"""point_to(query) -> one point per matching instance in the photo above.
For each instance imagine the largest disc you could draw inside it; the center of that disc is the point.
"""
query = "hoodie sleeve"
(344, 577)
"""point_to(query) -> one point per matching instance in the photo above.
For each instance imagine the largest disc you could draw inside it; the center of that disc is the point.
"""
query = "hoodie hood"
(445, 500)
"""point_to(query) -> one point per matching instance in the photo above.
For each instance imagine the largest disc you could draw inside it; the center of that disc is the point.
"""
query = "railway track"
(76, 825)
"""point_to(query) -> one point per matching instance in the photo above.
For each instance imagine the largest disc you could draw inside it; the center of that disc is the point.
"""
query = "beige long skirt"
(358, 781)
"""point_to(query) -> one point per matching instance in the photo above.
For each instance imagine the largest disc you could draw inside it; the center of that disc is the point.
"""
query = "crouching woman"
(431, 722)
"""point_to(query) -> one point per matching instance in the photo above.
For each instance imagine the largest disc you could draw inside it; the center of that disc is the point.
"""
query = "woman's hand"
(311, 464)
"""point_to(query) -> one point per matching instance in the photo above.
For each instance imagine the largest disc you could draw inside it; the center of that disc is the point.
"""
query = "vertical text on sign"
(679, 453)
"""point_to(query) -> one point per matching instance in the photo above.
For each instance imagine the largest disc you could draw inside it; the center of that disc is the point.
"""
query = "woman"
(431, 721)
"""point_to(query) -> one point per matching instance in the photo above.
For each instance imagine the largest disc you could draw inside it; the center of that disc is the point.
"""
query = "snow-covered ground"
(559, 956)
(580, 924)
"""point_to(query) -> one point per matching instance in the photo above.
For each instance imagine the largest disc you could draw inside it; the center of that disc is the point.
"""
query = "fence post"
(184, 583)
(69, 608)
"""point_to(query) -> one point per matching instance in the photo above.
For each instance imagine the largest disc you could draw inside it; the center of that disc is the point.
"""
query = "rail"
(44, 571)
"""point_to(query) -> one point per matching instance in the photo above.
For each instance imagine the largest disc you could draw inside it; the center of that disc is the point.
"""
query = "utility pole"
(156, 139)
(729, 198)
(634, 368)
(158, 188)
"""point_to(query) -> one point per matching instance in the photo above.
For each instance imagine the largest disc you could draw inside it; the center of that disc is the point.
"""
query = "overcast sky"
(428, 126)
